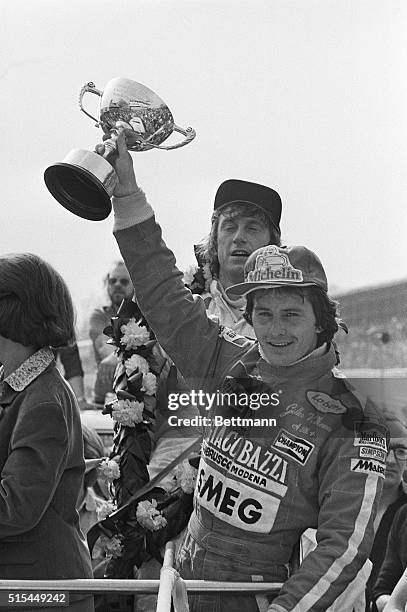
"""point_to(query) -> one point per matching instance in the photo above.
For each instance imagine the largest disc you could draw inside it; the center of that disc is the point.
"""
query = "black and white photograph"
(203, 306)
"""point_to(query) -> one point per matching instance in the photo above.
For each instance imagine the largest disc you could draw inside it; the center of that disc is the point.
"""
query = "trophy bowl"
(84, 181)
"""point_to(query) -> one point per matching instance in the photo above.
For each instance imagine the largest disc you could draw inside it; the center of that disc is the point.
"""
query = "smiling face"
(284, 324)
(238, 237)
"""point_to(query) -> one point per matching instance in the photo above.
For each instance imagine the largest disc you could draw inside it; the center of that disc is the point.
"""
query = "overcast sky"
(306, 96)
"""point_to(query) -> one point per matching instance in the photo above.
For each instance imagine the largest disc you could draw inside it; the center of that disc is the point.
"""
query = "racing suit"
(310, 455)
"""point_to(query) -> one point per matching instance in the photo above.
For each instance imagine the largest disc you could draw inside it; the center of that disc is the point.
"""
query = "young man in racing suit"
(287, 445)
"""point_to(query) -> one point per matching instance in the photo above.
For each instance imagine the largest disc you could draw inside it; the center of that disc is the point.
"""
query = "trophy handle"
(91, 88)
(189, 134)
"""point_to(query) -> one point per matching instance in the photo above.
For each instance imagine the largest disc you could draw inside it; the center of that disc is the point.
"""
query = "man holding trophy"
(261, 481)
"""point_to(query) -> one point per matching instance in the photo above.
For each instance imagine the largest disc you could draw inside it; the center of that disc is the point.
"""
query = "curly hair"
(207, 250)
(36, 307)
(325, 309)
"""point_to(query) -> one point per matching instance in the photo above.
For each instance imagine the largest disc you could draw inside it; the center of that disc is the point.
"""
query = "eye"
(227, 227)
(264, 314)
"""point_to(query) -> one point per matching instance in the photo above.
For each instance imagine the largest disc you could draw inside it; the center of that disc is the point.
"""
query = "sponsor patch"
(234, 502)
(367, 452)
(230, 336)
(325, 403)
(230, 451)
(272, 265)
(372, 440)
(368, 466)
(292, 446)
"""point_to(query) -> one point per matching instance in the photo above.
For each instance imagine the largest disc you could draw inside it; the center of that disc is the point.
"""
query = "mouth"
(279, 345)
(239, 253)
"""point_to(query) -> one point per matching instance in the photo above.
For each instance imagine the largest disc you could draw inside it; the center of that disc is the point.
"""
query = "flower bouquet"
(145, 516)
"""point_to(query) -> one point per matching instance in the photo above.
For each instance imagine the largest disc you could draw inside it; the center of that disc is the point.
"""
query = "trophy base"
(84, 192)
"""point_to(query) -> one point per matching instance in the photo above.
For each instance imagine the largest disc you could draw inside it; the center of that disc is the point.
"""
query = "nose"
(391, 458)
(240, 235)
(276, 327)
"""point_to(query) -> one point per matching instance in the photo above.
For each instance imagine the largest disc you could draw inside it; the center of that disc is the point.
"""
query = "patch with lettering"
(272, 265)
(231, 452)
(230, 336)
(370, 439)
(325, 403)
(238, 504)
(367, 452)
(239, 481)
(368, 466)
(297, 448)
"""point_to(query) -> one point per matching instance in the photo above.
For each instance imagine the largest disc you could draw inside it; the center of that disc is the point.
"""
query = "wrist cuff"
(131, 210)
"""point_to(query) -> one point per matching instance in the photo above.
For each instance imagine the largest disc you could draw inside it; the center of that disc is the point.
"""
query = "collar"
(30, 369)
(217, 290)
(314, 365)
(320, 350)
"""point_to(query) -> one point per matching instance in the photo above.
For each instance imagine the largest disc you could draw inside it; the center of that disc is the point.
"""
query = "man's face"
(119, 285)
(396, 462)
(285, 325)
(238, 237)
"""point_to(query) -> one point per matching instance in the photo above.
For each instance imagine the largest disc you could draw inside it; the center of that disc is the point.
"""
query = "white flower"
(149, 383)
(104, 509)
(186, 476)
(113, 547)
(189, 274)
(149, 517)
(134, 335)
(136, 362)
(128, 412)
(109, 470)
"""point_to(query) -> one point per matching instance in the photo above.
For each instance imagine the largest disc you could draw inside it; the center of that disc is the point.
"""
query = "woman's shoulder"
(49, 388)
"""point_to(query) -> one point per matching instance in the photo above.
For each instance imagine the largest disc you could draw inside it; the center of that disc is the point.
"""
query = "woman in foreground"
(41, 448)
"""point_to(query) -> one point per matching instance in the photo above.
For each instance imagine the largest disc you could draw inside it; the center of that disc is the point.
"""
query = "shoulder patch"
(368, 466)
(230, 336)
(370, 439)
(325, 403)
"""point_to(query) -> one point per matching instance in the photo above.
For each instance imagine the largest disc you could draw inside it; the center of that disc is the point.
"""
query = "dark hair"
(325, 309)
(35, 304)
(207, 249)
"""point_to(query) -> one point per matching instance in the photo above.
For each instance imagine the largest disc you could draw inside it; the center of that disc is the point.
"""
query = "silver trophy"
(84, 181)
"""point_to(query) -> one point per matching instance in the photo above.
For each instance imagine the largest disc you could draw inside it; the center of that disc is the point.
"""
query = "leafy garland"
(145, 526)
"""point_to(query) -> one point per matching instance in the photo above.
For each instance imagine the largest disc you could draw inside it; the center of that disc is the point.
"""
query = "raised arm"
(178, 320)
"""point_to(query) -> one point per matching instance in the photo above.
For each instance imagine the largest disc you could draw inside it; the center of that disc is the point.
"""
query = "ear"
(319, 330)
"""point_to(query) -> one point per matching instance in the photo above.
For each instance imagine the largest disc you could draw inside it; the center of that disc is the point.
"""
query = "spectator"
(239, 529)
(395, 561)
(118, 286)
(388, 566)
(41, 448)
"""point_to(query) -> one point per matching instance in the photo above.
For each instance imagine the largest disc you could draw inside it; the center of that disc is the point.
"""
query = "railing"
(165, 587)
